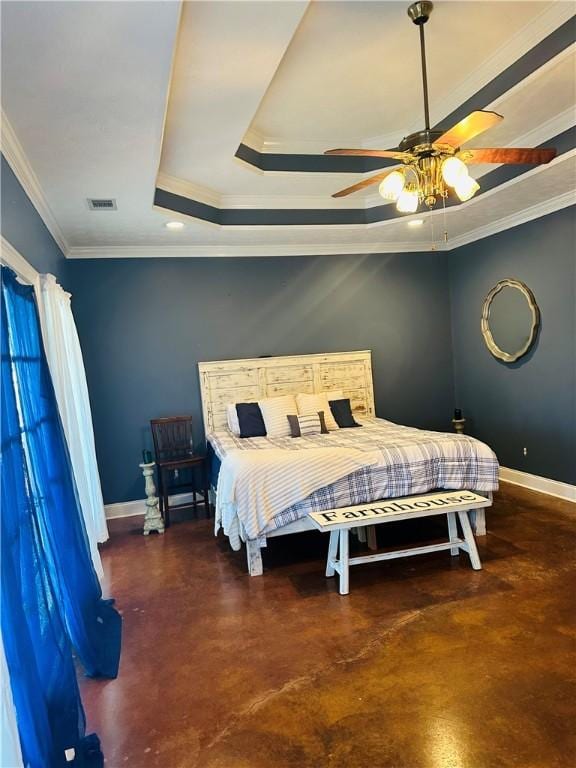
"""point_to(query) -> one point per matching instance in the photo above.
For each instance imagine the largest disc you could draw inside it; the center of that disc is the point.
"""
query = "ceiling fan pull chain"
(444, 214)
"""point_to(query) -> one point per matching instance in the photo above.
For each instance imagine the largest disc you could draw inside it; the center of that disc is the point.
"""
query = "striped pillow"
(313, 424)
(319, 402)
(274, 412)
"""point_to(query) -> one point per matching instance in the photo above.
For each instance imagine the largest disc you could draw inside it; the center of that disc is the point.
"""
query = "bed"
(376, 461)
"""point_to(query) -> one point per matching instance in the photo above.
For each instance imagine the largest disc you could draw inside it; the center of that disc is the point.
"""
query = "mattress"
(411, 461)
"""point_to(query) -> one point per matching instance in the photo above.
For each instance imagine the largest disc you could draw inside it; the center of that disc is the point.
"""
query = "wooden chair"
(174, 454)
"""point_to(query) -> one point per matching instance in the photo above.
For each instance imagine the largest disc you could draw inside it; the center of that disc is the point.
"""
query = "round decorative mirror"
(510, 320)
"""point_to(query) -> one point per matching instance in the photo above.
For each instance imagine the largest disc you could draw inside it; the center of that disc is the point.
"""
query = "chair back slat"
(172, 437)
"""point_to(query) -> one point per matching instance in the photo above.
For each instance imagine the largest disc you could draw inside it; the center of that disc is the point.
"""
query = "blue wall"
(145, 324)
(531, 403)
(25, 230)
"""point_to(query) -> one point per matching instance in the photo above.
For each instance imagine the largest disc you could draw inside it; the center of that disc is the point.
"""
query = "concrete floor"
(426, 664)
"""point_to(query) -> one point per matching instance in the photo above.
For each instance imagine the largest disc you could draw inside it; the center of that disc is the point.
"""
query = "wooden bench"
(338, 522)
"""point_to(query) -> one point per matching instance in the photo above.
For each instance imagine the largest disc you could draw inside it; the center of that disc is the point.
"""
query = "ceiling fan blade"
(395, 155)
(473, 124)
(365, 183)
(510, 155)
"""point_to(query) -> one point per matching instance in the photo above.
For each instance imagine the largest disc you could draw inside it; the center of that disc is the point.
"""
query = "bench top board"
(387, 510)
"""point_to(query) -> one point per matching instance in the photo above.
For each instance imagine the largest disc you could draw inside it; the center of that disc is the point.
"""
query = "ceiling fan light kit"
(466, 188)
(392, 185)
(453, 169)
(408, 200)
(434, 163)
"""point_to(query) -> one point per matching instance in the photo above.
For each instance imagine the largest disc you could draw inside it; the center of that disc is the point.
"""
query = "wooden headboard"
(233, 381)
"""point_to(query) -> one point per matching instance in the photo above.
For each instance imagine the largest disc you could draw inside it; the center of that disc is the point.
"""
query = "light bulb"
(407, 201)
(466, 188)
(392, 185)
(453, 169)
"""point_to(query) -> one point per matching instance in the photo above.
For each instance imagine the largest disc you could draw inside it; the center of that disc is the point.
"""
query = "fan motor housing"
(417, 139)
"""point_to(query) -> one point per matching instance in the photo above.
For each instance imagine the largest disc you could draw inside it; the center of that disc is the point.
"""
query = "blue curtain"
(51, 596)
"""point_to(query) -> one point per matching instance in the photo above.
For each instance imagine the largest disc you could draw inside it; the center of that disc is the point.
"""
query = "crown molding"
(254, 140)
(259, 202)
(18, 161)
(262, 250)
(535, 211)
(294, 202)
(168, 91)
(514, 220)
(188, 189)
(529, 79)
(271, 145)
(258, 250)
(520, 43)
(547, 130)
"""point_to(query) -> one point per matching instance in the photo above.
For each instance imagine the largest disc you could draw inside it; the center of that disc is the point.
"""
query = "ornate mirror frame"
(485, 327)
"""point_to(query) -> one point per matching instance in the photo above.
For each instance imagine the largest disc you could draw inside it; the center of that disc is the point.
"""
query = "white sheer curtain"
(67, 368)
(10, 753)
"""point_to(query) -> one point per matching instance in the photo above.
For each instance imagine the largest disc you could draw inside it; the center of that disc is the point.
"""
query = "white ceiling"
(87, 87)
(353, 70)
(84, 86)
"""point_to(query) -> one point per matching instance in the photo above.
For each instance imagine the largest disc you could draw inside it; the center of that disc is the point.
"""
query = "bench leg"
(469, 539)
(479, 521)
(343, 559)
(371, 537)
(332, 552)
(254, 557)
(452, 531)
(366, 535)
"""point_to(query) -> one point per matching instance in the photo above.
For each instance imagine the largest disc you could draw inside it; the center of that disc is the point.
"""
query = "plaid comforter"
(413, 461)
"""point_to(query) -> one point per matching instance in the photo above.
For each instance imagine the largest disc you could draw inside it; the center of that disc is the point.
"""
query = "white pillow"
(232, 419)
(275, 412)
(313, 403)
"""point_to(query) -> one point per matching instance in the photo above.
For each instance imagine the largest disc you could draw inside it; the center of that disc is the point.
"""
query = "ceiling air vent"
(101, 204)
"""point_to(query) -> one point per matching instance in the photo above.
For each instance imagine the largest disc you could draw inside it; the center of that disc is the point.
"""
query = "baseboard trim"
(537, 483)
(138, 506)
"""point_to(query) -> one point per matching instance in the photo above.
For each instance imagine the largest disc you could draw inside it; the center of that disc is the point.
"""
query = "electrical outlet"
(525, 451)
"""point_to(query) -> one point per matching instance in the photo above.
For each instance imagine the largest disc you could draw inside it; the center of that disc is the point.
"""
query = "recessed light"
(416, 223)
(174, 225)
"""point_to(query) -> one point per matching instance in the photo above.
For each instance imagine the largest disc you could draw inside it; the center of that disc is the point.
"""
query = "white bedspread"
(256, 485)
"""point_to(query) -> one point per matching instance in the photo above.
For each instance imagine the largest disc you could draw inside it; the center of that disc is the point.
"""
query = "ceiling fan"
(434, 162)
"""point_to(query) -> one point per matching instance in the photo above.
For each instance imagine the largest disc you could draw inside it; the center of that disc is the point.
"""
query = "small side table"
(153, 519)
